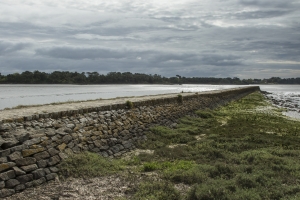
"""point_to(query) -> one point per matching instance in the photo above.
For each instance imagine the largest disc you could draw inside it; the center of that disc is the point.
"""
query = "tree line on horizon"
(66, 77)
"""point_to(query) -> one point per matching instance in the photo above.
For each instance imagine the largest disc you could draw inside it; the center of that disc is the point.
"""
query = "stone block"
(39, 173)
(42, 163)
(3, 160)
(51, 176)
(29, 184)
(25, 161)
(10, 142)
(127, 145)
(7, 175)
(11, 183)
(71, 145)
(20, 187)
(63, 156)
(53, 160)
(5, 166)
(115, 149)
(47, 171)
(29, 168)
(62, 146)
(41, 155)
(6, 192)
(32, 141)
(69, 151)
(54, 169)
(76, 149)
(2, 184)
(29, 152)
(97, 143)
(18, 148)
(25, 178)
(14, 156)
(18, 171)
(39, 181)
(53, 151)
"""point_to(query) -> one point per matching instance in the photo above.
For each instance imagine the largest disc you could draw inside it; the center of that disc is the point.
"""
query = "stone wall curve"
(31, 147)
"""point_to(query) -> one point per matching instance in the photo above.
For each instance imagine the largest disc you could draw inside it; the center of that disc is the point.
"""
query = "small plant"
(129, 104)
(180, 99)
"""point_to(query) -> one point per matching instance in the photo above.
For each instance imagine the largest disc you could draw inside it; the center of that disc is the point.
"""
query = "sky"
(191, 38)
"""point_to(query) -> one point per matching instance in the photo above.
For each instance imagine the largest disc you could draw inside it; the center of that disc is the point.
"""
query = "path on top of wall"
(65, 106)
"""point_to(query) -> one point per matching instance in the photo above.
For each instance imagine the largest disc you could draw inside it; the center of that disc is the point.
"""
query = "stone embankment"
(32, 146)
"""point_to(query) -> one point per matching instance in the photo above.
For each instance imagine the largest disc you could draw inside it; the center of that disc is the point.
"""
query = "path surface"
(50, 108)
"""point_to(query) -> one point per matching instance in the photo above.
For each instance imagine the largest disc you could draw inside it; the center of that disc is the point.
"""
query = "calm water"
(14, 95)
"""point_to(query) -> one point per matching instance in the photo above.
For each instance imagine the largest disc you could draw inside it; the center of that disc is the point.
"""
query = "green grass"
(89, 164)
(234, 152)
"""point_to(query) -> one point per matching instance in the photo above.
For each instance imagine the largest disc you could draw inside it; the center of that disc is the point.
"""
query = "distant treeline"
(66, 77)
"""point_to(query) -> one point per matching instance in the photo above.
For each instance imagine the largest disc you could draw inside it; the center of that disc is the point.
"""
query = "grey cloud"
(6, 47)
(260, 14)
(221, 60)
(193, 38)
(80, 53)
(269, 3)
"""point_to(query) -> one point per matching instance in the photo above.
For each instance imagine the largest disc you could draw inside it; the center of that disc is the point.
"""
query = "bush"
(129, 104)
(205, 114)
(180, 99)
(157, 191)
(220, 189)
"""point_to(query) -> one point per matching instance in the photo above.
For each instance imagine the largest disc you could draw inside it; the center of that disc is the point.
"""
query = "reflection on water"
(14, 95)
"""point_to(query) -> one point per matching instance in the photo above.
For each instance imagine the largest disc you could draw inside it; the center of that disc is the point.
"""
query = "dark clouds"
(6, 47)
(244, 38)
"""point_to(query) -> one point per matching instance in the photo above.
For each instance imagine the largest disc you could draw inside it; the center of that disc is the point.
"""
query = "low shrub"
(89, 164)
(129, 104)
(179, 99)
(205, 114)
(157, 191)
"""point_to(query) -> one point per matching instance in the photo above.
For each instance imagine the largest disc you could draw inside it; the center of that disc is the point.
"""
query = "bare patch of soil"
(104, 188)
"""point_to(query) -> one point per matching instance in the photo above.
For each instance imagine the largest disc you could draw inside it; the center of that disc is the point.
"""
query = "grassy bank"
(245, 150)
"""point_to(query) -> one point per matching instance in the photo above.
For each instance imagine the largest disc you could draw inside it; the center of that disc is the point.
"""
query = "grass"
(235, 152)
(89, 164)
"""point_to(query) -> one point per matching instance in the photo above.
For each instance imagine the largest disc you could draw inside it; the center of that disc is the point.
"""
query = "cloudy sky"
(205, 38)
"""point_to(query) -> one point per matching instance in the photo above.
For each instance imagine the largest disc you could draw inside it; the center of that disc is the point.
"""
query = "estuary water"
(24, 94)
(285, 96)
(12, 95)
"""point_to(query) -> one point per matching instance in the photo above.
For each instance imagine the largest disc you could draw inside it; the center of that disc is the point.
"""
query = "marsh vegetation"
(239, 151)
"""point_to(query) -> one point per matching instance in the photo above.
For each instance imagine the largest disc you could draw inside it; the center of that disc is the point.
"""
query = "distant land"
(66, 77)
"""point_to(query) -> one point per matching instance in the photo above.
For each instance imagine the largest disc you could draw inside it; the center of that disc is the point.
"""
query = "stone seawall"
(32, 146)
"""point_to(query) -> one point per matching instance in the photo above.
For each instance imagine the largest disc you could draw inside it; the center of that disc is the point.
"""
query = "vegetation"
(66, 77)
(241, 151)
(129, 104)
(89, 164)
(180, 99)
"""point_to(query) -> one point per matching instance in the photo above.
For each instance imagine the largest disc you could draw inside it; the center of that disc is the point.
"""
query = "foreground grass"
(235, 152)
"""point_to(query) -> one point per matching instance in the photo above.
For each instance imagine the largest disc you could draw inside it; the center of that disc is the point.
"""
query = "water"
(15, 95)
(287, 96)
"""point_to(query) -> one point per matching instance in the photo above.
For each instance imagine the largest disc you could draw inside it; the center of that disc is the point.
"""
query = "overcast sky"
(203, 38)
